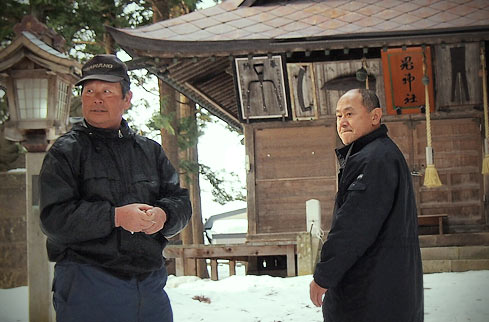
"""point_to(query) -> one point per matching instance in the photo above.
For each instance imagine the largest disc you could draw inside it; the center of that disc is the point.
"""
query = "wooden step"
(459, 239)
(455, 258)
(455, 253)
(457, 265)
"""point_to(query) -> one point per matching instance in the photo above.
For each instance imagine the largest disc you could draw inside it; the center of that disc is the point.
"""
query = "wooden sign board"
(261, 87)
(403, 74)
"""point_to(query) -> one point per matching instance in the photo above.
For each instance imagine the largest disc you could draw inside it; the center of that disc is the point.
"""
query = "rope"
(427, 102)
(431, 178)
(485, 160)
(484, 90)
(320, 233)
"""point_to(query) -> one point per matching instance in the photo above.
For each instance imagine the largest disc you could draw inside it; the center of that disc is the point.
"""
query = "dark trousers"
(84, 293)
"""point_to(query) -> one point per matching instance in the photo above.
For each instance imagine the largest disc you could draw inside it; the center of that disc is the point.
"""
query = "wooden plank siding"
(292, 165)
(458, 157)
(327, 72)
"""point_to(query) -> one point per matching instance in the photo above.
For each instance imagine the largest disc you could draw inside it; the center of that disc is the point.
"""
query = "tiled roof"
(194, 53)
(283, 20)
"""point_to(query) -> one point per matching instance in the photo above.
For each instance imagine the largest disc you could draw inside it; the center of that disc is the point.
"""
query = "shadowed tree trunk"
(169, 104)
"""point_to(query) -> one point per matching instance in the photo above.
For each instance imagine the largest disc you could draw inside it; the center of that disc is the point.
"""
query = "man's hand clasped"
(140, 218)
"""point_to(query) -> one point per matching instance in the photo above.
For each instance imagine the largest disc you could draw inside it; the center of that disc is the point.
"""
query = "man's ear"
(127, 100)
(376, 115)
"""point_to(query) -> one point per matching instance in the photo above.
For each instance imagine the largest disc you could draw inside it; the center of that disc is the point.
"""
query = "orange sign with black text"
(403, 80)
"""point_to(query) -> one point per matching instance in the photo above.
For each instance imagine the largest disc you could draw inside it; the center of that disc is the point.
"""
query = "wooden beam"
(249, 134)
(212, 102)
(232, 251)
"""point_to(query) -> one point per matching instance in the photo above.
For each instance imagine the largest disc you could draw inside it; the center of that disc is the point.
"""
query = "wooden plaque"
(302, 91)
(403, 74)
(261, 87)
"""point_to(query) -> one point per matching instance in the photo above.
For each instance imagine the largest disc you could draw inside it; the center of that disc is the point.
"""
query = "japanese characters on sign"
(403, 74)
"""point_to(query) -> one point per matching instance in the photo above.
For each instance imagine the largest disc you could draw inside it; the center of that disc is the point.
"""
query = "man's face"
(353, 120)
(103, 104)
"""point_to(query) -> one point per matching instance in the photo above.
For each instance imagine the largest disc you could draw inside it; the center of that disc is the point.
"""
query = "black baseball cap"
(106, 68)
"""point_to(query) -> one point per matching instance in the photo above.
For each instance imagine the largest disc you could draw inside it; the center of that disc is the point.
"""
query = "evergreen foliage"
(81, 23)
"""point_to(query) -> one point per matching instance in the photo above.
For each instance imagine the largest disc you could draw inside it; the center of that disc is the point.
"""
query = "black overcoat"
(371, 262)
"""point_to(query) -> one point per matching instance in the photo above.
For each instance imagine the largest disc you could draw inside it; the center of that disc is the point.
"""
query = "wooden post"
(290, 260)
(304, 254)
(39, 270)
(179, 266)
(232, 267)
(214, 274)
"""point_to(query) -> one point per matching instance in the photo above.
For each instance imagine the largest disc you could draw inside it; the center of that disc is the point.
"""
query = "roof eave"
(169, 48)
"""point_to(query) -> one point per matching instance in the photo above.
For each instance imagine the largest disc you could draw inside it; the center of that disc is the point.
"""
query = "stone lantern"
(39, 78)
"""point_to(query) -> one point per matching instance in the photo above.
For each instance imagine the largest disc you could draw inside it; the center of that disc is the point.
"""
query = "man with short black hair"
(370, 268)
(109, 200)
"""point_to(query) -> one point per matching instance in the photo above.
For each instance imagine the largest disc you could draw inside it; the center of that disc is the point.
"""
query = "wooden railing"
(233, 253)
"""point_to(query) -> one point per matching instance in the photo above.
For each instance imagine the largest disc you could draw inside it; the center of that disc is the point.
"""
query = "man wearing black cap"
(109, 200)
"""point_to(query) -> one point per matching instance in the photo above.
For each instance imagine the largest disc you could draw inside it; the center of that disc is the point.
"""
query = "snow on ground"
(449, 297)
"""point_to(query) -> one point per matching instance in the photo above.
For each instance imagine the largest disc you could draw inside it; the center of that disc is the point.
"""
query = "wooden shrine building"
(275, 69)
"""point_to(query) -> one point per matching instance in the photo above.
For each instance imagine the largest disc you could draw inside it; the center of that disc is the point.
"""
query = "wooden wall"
(293, 161)
(458, 160)
(289, 165)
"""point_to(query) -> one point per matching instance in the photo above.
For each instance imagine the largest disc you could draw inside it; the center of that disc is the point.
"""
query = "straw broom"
(431, 178)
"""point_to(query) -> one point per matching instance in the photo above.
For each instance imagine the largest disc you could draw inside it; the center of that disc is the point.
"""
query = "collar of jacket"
(344, 152)
(124, 131)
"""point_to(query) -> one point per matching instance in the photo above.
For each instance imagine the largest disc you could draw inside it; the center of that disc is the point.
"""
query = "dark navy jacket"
(371, 262)
(85, 175)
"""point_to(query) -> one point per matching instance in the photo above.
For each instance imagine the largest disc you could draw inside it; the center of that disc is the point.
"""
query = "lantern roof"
(30, 70)
(28, 45)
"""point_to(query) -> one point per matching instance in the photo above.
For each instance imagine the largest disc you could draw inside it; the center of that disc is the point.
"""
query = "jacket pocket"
(357, 186)
(98, 184)
(146, 188)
